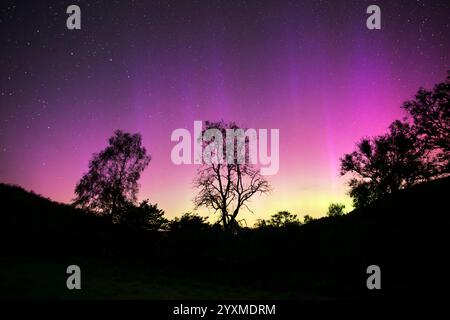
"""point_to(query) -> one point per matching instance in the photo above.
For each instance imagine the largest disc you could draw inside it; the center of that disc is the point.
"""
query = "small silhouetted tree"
(188, 222)
(145, 216)
(279, 220)
(307, 218)
(260, 223)
(111, 183)
(283, 219)
(335, 209)
(227, 186)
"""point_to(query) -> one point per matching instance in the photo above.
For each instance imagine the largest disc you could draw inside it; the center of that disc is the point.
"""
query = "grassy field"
(35, 279)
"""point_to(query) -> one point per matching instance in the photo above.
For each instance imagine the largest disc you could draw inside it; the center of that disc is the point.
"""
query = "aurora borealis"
(309, 68)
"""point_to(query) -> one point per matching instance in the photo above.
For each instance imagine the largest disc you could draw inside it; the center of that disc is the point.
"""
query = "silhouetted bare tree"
(111, 182)
(227, 187)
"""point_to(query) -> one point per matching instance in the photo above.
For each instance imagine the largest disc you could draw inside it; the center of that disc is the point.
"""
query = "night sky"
(309, 68)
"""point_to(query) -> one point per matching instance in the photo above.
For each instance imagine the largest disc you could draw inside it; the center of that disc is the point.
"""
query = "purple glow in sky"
(309, 68)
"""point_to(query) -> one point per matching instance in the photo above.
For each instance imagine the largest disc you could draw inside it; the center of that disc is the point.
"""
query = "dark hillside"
(406, 234)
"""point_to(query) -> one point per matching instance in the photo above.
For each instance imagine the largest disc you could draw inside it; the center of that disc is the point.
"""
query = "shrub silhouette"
(145, 216)
(307, 218)
(335, 209)
(189, 223)
(280, 219)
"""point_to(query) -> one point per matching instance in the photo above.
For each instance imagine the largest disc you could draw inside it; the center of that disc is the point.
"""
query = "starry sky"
(309, 68)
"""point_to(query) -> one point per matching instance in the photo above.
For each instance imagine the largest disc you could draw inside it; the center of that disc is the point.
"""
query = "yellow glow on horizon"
(313, 202)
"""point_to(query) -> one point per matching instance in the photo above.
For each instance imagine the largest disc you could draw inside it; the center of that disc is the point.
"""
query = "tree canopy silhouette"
(413, 151)
(189, 223)
(383, 164)
(145, 216)
(430, 112)
(335, 209)
(227, 187)
(111, 182)
(280, 219)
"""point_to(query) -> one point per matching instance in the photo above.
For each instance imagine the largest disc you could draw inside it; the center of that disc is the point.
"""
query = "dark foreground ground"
(34, 279)
(405, 234)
